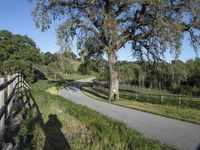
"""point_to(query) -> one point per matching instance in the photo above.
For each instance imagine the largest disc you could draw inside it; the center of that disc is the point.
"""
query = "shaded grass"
(185, 114)
(30, 136)
(84, 128)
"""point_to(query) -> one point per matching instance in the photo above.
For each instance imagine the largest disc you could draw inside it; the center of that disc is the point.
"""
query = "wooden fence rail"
(12, 89)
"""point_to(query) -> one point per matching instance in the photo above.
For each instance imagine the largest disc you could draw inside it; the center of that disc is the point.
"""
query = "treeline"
(20, 54)
(177, 77)
(57, 64)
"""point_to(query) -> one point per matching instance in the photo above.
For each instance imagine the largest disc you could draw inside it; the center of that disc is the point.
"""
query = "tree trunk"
(114, 82)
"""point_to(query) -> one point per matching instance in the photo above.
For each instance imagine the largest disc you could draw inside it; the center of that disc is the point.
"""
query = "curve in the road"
(177, 133)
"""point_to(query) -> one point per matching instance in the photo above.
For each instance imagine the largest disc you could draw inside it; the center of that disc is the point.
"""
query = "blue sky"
(15, 16)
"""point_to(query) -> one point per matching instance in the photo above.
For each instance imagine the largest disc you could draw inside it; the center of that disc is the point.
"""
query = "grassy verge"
(76, 76)
(66, 124)
(172, 100)
(30, 135)
(185, 114)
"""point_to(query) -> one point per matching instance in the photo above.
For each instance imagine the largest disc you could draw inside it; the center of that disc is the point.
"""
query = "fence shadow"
(55, 139)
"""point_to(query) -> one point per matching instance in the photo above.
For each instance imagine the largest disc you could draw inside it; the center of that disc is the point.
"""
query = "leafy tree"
(65, 59)
(192, 85)
(91, 56)
(179, 73)
(150, 26)
(18, 54)
(127, 73)
(49, 57)
(54, 69)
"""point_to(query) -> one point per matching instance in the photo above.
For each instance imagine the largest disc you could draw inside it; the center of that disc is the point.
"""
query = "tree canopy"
(17, 53)
(151, 26)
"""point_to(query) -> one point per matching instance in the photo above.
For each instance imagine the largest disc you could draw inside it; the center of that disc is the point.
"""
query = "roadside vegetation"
(64, 124)
(100, 29)
(176, 112)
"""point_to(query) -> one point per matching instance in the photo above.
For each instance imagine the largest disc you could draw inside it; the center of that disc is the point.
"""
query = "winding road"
(183, 135)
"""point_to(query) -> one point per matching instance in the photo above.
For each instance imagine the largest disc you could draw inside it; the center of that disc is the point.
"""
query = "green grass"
(185, 114)
(83, 128)
(144, 90)
(46, 84)
(171, 100)
(53, 90)
(76, 76)
(30, 135)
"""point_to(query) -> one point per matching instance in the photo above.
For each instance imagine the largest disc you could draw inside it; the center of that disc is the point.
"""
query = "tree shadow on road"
(55, 139)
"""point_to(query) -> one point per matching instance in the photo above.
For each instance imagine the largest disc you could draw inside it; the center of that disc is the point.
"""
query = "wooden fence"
(164, 99)
(12, 90)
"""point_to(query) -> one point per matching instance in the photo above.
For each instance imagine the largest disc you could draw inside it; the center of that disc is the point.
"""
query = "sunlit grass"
(53, 90)
(84, 128)
(186, 114)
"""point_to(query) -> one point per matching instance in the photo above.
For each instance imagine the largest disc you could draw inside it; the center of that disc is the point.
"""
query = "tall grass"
(95, 131)
(81, 127)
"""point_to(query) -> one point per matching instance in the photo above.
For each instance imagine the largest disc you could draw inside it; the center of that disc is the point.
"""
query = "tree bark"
(114, 81)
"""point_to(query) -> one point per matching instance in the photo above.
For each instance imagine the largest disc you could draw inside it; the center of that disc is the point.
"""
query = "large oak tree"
(150, 26)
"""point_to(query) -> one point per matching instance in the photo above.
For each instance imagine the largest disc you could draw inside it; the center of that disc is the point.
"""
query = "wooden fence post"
(15, 81)
(162, 98)
(23, 87)
(2, 102)
(9, 91)
(18, 79)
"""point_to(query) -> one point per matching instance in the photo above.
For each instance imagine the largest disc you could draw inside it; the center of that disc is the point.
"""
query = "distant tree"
(179, 73)
(150, 26)
(127, 73)
(192, 85)
(65, 59)
(49, 58)
(193, 71)
(54, 69)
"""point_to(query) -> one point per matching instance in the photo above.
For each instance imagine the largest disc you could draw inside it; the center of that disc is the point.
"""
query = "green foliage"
(185, 114)
(49, 58)
(192, 86)
(171, 100)
(159, 24)
(30, 131)
(129, 73)
(99, 26)
(175, 77)
(18, 54)
(58, 64)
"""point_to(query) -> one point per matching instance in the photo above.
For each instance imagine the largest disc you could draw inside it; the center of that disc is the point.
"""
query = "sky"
(15, 16)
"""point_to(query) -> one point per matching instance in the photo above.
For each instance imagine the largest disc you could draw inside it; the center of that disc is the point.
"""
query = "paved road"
(183, 135)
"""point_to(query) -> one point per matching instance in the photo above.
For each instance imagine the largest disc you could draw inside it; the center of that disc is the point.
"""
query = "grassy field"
(185, 114)
(64, 124)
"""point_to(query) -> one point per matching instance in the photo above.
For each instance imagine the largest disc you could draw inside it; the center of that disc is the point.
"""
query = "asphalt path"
(183, 135)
